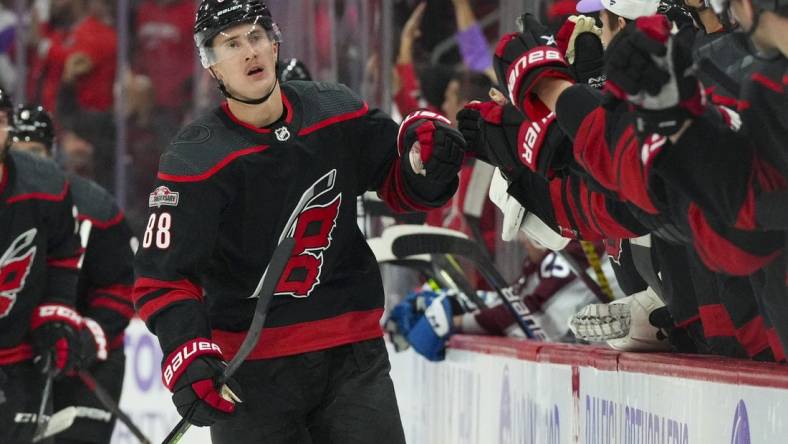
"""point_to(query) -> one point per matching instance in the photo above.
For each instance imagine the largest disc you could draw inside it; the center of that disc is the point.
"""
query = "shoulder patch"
(202, 148)
(92, 200)
(35, 176)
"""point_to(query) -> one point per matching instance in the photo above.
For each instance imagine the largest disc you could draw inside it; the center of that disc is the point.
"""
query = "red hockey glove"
(93, 344)
(512, 142)
(55, 332)
(522, 59)
(190, 373)
(440, 149)
(649, 68)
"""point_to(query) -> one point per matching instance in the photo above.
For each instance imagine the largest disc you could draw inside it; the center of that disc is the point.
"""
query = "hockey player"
(39, 263)
(103, 290)
(227, 187)
(577, 212)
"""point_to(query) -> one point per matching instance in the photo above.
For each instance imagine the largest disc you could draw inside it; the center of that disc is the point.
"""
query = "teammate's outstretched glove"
(93, 344)
(579, 39)
(468, 123)
(512, 142)
(651, 69)
(431, 331)
(191, 373)
(55, 330)
(434, 149)
(522, 59)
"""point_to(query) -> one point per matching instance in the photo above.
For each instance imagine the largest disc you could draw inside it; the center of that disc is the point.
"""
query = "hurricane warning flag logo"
(15, 264)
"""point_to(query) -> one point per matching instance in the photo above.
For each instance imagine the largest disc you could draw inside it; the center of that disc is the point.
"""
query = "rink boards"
(495, 390)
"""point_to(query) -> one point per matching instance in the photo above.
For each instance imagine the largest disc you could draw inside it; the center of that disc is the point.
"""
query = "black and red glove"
(55, 330)
(650, 69)
(191, 373)
(512, 142)
(522, 59)
(93, 344)
(441, 148)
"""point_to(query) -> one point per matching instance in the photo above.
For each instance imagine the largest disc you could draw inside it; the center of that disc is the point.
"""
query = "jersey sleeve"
(64, 251)
(572, 207)
(175, 250)
(108, 273)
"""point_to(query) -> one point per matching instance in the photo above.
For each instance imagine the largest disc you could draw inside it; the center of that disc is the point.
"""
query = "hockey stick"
(443, 268)
(600, 289)
(59, 421)
(106, 399)
(265, 292)
(41, 423)
(441, 243)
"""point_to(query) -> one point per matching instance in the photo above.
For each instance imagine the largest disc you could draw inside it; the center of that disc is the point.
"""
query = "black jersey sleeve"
(64, 252)
(108, 273)
(176, 247)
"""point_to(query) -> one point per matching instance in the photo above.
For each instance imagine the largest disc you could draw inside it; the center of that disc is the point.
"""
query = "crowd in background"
(64, 55)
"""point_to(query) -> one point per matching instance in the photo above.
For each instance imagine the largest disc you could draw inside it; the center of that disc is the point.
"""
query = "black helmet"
(293, 69)
(33, 124)
(214, 16)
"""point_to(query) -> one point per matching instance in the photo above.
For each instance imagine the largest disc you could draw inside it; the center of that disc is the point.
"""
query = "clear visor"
(237, 42)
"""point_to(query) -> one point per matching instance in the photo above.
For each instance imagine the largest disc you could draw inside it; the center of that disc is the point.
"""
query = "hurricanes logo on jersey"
(15, 264)
(312, 233)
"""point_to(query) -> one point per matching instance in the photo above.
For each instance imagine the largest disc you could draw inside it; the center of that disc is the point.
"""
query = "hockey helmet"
(293, 69)
(32, 123)
(215, 16)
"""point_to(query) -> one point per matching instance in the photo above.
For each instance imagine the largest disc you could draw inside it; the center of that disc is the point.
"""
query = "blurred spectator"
(165, 54)
(473, 45)
(463, 87)
(8, 21)
(77, 44)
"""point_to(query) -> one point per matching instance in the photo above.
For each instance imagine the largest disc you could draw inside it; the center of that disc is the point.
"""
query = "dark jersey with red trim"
(107, 275)
(226, 191)
(39, 247)
(608, 148)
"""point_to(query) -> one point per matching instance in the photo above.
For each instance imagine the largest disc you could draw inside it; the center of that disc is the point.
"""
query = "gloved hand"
(513, 142)
(191, 373)
(431, 331)
(434, 149)
(522, 59)
(649, 68)
(55, 330)
(468, 124)
(93, 344)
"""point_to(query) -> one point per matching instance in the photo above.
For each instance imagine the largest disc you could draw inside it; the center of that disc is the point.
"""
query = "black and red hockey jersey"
(107, 274)
(225, 192)
(39, 247)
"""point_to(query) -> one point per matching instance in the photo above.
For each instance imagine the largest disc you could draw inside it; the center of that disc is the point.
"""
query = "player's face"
(246, 60)
(37, 148)
(610, 27)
